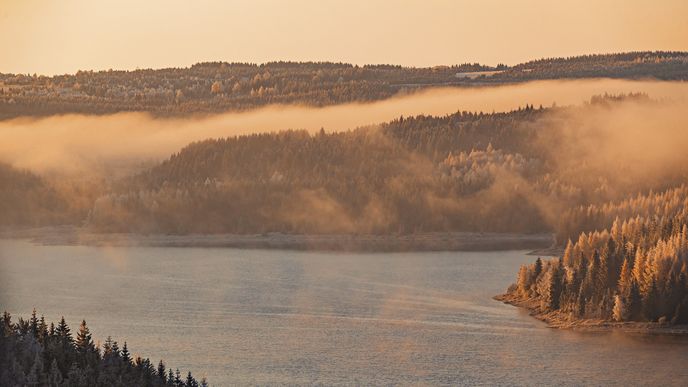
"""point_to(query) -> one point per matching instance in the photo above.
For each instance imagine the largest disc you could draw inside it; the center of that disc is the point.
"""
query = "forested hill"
(461, 172)
(403, 177)
(214, 87)
(528, 170)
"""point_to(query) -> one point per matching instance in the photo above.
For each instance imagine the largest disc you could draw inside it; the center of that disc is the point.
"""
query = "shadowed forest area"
(33, 353)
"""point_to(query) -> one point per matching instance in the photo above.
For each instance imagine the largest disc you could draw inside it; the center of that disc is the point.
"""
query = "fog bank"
(78, 143)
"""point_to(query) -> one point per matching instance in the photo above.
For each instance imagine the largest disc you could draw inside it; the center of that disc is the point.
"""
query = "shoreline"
(444, 241)
(557, 320)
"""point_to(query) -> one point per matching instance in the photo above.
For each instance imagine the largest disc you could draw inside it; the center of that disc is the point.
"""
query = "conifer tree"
(63, 331)
(84, 343)
(126, 356)
(650, 302)
(619, 312)
(538, 269)
(555, 287)
(161, 373)
(625, 278)
(634, 302)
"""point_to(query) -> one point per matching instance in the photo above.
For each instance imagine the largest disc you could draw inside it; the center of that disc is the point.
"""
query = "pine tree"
(84, 343)
(650, 302)
(555, 287)
(537, 269)
(33, 323)
(161, 373)
(568, 254)
(634, 302)
(178, 378)
(580, 304)
(42, 330)
(523, 281)
(126, 356)
(170, 377)
(619, 312)
(190, 381)
(63, 331)
(625, 278)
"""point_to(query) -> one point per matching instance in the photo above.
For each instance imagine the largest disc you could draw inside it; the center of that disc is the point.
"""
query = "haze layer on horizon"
(51, 37)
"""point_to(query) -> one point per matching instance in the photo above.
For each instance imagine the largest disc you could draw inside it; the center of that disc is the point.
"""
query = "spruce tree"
(84, 343)
(537, 269)
(161, 373)
(555, 287)
(126, 356)
(190, 381)
(625, 278)
(634, 302)
(63, 331)
(619, 312)
(650, 302)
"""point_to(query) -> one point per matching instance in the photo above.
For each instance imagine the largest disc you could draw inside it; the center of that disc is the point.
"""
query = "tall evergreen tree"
(555, 287)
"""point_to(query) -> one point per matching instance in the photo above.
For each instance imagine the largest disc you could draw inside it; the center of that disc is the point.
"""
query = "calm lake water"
(285, 317)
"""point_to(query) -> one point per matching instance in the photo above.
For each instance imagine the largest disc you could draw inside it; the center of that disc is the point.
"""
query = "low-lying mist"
(76, 144)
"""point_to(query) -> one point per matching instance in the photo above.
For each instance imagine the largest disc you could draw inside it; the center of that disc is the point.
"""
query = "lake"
(289, 317)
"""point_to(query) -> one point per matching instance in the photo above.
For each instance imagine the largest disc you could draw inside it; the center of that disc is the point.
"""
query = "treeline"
(215, 87)
(635, 270)
(665, 204)
(665, 65)
(35, 354)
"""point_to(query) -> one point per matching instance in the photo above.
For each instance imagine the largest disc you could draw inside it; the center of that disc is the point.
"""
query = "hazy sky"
(53, 37)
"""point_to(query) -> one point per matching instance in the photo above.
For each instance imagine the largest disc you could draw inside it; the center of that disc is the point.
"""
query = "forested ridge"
(467, 171)
(35, 353)
(214, 87)
(403, 177)
(634, 270)
(461, 172)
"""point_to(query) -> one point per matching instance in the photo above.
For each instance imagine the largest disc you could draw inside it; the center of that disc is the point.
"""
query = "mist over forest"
(515, 170)
(585, 154)
(346, 192)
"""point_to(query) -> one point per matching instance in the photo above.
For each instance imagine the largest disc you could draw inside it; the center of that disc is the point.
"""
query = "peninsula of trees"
(635, 270)
(215, 87)
(33, 353)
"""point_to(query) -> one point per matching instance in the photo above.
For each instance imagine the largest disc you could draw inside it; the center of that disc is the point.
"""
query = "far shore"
(444, 241)
(558, 320)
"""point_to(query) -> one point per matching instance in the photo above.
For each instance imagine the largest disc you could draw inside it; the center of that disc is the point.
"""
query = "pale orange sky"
(55, 37)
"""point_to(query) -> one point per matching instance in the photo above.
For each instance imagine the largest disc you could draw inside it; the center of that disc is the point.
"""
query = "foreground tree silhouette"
(33, 356)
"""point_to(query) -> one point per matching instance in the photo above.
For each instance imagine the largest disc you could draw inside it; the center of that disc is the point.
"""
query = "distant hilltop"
(215, 87)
